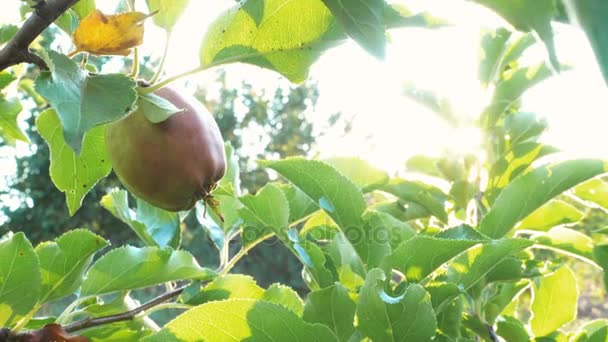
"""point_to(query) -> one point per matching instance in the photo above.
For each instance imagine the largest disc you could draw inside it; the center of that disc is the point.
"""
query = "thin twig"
(492, 333)
(17, 50)
(125, 316)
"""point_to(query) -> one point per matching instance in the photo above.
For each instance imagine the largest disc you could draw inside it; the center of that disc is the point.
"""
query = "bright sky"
(387, 128)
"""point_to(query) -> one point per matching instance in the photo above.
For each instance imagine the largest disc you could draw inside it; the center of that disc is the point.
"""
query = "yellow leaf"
(115, 34)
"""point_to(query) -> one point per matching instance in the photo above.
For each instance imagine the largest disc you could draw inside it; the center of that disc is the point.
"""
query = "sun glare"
(387, 127)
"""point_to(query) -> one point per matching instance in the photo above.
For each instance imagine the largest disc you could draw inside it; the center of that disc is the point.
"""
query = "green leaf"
(530, 191)
(601, 257)
(92, 100)
(594, 331)
(169, 12)
(239, 286)
(591, 15)
(383, 318)
(516, 49)
(461, 232)
(554, 302)
(551, 214)
(9, 128)
(268, 209)
(423, 164)
(347, 262)
(218, 230)
(285, 296)
(64, 261)
(337, 195)
(333, 308)
(595, 190)
(493, 46)
(367, 177)
(428, 196)
(529, 15)
(449, 321)
(515, 162)
(566, 241)
(6, 78)
(402, 210)
(397, 15)
(381, 227)
(140, 267)
(439, 105)
(67, 21)
(513, 84)
(505, 294)
(363, 21)
(281, 35)
(19, 278)
(473, 265)
(231, 182)
(74, 175)
(419, 256)
(83, 8)
(524, 126)
(226, 287)
(155, 108)
(154, 226)
(512, 329)
(241, 320)
(300, 205)
(315, 274)
(7, 32)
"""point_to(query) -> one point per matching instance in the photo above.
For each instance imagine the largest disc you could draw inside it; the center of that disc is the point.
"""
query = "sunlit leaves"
(9, 128)
(428, 196)
(386, 318)
(471, 266)
(366, 176)
(529, 15)
(419, 256)
(528, 192)
(241, 319)
(72, 174)
(155, 108)
(270, 34)
(154, 226)
(591, 16)
(363, 21)
(334, 308)
(595, 191)
(92, 100)
(551, 214)
(554, 301)
(64, 261)
(115, 34)
(514, 83)
(493, 45)
(333, 192)
(567, 241)
(169, 11)
(5, 79)
(83, 8)
(19, 278)
(267, 209)
(398, 15)
(238, 286)
(140, 267)
(7, 32)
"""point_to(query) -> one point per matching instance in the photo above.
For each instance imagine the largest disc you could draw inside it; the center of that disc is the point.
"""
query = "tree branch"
(125, 316)
(17, 49)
